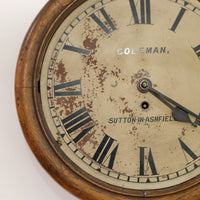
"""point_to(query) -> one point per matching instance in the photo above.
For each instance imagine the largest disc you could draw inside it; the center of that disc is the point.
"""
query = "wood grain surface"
(26, 90)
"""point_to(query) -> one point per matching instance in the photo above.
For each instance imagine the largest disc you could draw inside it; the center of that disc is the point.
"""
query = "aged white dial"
(90, 98)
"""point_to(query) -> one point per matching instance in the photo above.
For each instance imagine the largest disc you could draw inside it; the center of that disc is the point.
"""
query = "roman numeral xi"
(107, 26)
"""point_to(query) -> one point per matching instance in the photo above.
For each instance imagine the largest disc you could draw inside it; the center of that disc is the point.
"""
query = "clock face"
(92, 76)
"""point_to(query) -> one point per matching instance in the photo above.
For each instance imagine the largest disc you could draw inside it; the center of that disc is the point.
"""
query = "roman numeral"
(108, 26)
(106, 152)
(72, 88)
(178, 18)
(197, 50)
(76, 49)
(150, 162)
(76, 121)
(82, 134)
(145, 12)
(187, 150)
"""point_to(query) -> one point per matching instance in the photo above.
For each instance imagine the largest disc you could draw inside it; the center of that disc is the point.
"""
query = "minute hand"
(179, 112)
(162, 97)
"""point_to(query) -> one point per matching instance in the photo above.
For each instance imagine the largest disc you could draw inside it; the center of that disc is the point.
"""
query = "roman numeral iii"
(145, 12)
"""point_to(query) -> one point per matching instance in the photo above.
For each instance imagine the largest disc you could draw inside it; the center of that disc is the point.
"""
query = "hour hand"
(179, 112)
(180, 115)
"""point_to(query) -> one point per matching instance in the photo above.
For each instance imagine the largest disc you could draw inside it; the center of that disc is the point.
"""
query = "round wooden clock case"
(107, 97)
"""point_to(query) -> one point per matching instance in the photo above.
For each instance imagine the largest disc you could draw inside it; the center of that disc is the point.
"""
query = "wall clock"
(107, 93)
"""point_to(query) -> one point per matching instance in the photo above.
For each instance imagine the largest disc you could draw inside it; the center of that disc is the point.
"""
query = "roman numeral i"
(179, 17)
